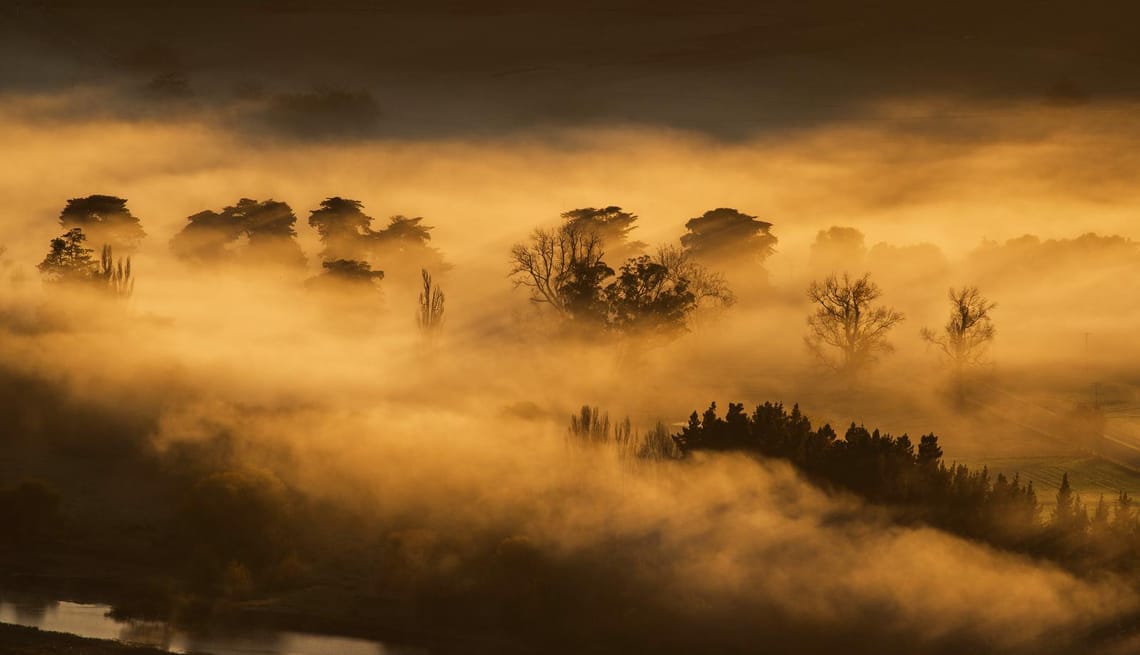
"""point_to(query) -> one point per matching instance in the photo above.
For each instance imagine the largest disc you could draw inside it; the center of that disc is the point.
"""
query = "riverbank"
(19, 640)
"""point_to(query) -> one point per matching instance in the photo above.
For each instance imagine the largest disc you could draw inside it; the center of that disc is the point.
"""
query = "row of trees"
(918, 485)
(261, 231)
(848, 331)
(565, 268)
(249, 231)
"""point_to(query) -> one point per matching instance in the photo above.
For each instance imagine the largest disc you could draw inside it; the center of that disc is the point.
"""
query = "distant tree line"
(914, 481)
(249, 232)
(566, 268)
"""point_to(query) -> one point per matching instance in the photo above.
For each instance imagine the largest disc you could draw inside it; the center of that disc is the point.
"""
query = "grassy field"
(1089, 475)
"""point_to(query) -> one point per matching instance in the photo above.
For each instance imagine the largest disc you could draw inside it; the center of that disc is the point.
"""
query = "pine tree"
(1065, 512)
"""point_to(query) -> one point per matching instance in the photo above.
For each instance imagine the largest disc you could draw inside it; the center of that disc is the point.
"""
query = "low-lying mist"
(445, 458)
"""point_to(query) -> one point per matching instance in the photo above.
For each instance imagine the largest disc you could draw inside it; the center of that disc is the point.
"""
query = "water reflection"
(93, 621)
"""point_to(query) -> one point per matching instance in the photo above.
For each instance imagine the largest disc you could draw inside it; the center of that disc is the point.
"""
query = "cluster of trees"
(918, 485)
(565, 268)
(874, 465)
(69, 261)
(250, 231)
(264, 232)
(111, 224)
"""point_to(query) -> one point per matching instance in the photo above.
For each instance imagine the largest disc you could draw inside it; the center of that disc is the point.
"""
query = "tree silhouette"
(708, 287)
(645, 298)
(105, 220)
(969, 330)
(847, 332)
(965, 338)
(727, 234)
(562, 267)
(215, 237)
(1068, 513)
(209, 236)
(404, 246)
(346, 275)
(68, 260)
(429, 317)
(837, 249)
(272, 238)
(344, 228)
(612, 226)
(929, 452)
(115, 274)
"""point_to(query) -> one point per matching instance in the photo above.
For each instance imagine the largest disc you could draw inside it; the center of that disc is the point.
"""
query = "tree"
(1065, 511)
(68, 260)
(430, 314)
(405, 246)
(209, 237)
(344, 228)
(105, 220)
(562, 267)
(837, 249)
(215, 237)
(645, 298)
(967, 333)
(612, 226)
(929, 452)
(351, 271)
(727, 234)
(272, 239)
(116, 276)
(708, 287)
(847, 332)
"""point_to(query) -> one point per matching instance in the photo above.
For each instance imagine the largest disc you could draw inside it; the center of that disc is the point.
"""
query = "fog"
(462, 439)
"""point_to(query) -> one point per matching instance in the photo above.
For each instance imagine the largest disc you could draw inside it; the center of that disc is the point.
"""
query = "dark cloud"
(729, 68)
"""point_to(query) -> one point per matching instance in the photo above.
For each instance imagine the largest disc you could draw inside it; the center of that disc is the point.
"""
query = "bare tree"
(967, 334)
(847, 332)
(556, 264)
(430, 314)
(707, 286)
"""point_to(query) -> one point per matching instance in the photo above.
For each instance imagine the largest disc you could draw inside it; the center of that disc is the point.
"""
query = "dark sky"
(349, 68)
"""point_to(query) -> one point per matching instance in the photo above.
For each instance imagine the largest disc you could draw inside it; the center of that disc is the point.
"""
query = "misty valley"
(269, 479)
(425, 328)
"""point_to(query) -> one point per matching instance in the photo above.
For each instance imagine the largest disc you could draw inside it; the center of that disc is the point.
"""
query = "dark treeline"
(914, 481)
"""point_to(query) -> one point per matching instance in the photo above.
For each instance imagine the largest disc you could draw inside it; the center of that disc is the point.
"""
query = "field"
(1089, 475)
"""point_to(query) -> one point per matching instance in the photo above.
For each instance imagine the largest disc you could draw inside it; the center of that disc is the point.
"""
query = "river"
(93, 620)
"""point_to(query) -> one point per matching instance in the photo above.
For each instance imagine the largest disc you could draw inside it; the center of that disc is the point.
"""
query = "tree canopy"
(612, 226)
(728, 234)
(838, 249)
(105, 220)
(344, 228)
(265, 227)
